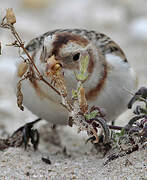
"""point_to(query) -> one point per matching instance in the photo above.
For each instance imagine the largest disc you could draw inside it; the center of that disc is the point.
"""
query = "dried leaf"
(22, 68)
(10, 16)
(95, 135)
(19, 96)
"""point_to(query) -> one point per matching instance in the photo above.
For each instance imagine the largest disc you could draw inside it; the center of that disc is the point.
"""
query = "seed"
(10, 16)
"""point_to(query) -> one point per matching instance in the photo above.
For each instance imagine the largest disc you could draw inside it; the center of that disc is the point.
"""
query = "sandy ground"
(126, 22)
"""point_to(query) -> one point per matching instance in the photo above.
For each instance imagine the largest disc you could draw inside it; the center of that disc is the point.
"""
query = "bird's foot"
(26, 133)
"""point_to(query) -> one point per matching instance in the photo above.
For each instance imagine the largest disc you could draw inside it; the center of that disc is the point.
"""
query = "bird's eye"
(76, 57)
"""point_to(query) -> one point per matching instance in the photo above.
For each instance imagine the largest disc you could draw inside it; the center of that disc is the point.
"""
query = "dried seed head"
(10, 16)
(53, 71)
(82, 100)
(22, 68)
(19, 96)
(53, 65)
(57, 67)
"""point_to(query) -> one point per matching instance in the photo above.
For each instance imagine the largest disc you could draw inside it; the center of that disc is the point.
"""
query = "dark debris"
(46, 160)
(134, 135)
(121, 154)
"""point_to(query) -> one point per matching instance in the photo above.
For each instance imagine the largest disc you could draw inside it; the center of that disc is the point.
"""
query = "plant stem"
(21, 44)
(115, 127)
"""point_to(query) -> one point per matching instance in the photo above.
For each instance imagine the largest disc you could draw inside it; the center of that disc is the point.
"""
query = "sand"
(124, 21)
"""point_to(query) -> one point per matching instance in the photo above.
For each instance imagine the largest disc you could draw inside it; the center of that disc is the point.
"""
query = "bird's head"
(68, 49)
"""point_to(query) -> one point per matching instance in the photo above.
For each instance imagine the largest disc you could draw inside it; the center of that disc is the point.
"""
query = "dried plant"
(137, 126)
(134, 135)
(85, 118)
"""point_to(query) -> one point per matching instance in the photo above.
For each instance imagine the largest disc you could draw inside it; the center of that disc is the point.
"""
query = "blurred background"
(125, 21)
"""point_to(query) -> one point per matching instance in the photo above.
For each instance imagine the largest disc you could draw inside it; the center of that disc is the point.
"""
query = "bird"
(109, 73)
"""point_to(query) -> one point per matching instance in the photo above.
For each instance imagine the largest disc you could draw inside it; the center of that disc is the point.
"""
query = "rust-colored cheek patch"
(93, 93)
(91, 63)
